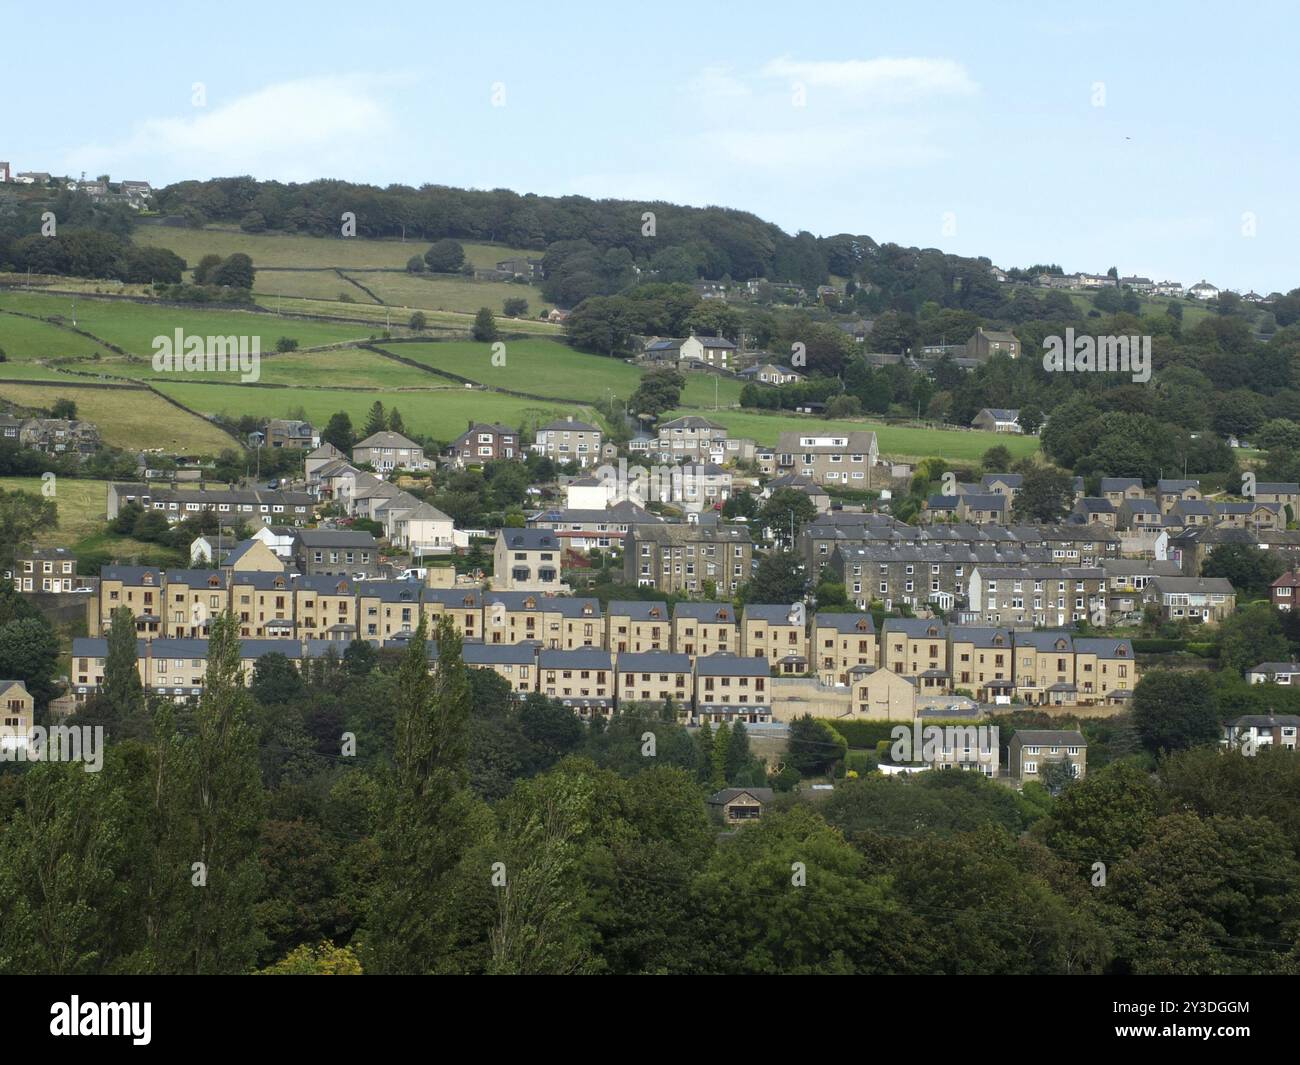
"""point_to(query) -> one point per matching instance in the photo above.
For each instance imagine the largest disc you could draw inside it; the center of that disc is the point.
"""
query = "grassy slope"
(133, 326)
(441, 413)
(549, 368)
(127, 418)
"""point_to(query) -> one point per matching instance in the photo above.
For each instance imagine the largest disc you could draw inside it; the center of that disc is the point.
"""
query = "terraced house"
(44, 569)
(177, 504)
(691, 438)
(1036, 596)
(917, 648)
(1105, 670)
(638, 626)
(915, 575)
(656, 677)
(777, 633)
(839, 643)
(1045, 673)
(982, 662)
(583, 680)
(705, 628)
(684, 558)
(730, 688)
(335, 553)
(552, 621)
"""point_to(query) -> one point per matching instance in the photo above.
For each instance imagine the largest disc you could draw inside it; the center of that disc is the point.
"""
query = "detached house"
(997, 420)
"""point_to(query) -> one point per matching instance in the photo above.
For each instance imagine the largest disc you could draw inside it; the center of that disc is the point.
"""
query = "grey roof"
(334, 538)
(920, 628)
(844, 622)
(718, 613)
(386, 438)
(731, 665)
(981, 635)
(1275, 667)
(493, 654)
(638, 609)
(530, 540)
(1045, 640)
(1120, 484)
(727, 795)
(772, 613)
(1050, 737)
(568, 606)
(1266, 721)
(1103, 648)
(581, 658)
(653, 662)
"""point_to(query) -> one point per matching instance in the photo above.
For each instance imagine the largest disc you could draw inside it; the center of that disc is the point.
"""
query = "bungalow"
(997, 420)
(1285, 673)
(739, 806)
(770, 374)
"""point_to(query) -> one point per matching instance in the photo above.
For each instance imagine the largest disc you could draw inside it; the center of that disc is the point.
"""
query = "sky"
(1158, 138)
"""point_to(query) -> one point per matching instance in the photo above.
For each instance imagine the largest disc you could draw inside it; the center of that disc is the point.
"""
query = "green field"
(895, 441)
(308, 284)
(440, 413)
(315, 370)
(444, 292)
(24, 338)
(549, 368)
(282, 249)
(133, 326)
(130, 418)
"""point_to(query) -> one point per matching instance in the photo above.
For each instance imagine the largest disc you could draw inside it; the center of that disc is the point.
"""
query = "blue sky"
(1155, 138)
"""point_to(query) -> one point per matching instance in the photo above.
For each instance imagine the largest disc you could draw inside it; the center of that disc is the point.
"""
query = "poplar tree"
(122, 691)
(427, 817)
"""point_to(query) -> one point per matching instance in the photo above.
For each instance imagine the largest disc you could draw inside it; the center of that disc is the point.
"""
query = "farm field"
(308, 284)
(285, 249)
(314, 370)
(546, 368)
(25, 338)
(131, 418)
(132, 326)
(441, 413)
(445, 292)
(456, 323)
(895, 441)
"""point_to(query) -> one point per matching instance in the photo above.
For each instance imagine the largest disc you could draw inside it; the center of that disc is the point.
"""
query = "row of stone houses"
(51, 436)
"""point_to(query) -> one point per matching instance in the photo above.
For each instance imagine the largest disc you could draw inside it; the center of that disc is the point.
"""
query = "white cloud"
(884, 80)
(294, 130)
